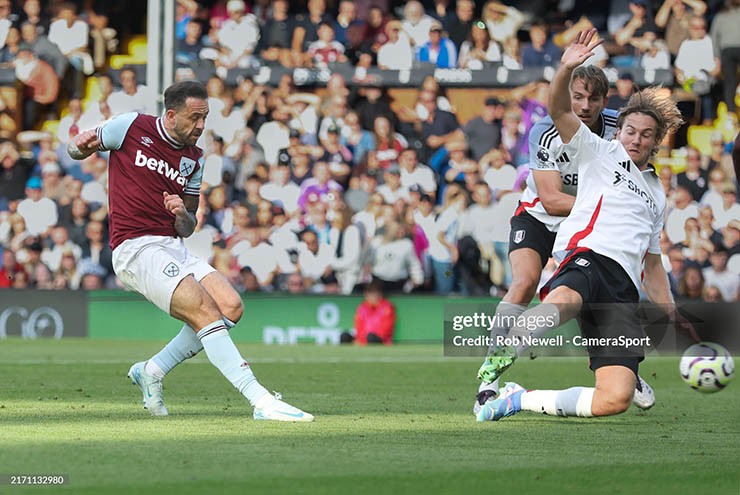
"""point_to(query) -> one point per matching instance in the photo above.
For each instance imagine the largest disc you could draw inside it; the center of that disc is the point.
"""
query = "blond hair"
(651, 102)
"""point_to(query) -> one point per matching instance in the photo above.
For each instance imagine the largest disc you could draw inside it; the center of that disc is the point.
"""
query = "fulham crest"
(519, 236)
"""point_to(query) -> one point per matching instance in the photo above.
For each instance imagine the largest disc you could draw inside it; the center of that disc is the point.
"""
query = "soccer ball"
(706, 367)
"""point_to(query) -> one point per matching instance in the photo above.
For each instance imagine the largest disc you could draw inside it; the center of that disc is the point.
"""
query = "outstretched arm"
(558, 105)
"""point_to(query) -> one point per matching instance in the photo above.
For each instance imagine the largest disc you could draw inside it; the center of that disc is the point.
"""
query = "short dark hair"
(593, 78)
(176, 95)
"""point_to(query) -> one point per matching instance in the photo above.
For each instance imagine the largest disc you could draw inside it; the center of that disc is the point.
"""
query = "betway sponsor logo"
(159, 166)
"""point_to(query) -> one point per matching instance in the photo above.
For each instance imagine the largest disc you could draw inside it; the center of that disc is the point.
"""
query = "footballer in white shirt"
(607, 244)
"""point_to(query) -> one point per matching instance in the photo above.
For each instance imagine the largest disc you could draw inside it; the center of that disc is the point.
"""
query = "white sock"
(574, 401)
(184, 346)
(224, 355)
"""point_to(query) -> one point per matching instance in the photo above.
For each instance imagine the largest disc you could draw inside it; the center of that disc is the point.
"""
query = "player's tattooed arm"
(184, 211)
(83, 145)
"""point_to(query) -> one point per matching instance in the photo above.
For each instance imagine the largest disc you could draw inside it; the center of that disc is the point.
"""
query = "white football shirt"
(546, 153)
(619, 210)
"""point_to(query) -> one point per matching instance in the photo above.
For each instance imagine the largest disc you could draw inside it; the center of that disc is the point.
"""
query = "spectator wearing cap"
(439, 49)
(416, 23)
(15, 170)
(396, 53)
(624, 89)
(338, 156)
(719, 276)
(414, 173)
(478, 48)
(40, 213)
(459, 23)
(393, 190)
(541, 51)
(237, 37)
(483, 133)
(280, 189)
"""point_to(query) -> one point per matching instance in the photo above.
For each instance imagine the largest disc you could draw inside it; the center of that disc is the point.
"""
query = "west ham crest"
(186, 166)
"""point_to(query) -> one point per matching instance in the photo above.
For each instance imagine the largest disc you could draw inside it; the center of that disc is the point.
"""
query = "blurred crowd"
(327, 190)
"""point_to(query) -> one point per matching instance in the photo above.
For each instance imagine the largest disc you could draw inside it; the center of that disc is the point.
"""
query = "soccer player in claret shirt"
(155, 175)
(548, 198)
(609, 240)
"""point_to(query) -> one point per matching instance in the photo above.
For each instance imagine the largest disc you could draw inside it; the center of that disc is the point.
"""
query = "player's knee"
(232, 306)
(522, 289)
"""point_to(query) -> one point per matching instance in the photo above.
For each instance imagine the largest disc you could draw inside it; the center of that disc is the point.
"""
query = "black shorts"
(609, 311)
(528, 232)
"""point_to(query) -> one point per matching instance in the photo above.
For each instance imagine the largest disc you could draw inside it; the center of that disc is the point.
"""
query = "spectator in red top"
(8, 268)
(375, 318)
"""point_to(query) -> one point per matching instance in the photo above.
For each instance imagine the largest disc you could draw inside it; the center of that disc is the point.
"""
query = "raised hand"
(581, 49)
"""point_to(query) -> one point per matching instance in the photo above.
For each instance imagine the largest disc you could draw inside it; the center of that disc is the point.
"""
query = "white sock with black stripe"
(183, 346)
(224, 355)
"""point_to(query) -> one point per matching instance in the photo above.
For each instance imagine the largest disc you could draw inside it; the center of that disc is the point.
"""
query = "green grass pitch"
(388, 420)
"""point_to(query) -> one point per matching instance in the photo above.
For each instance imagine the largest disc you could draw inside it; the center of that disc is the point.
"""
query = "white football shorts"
(154, 265)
